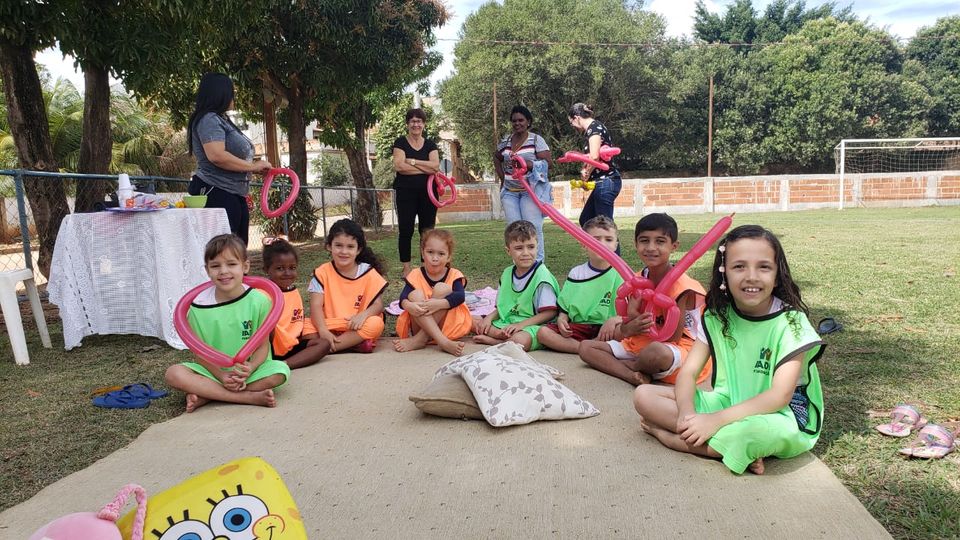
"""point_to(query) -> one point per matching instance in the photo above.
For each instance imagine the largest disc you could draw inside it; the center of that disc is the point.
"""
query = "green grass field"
(888, 275)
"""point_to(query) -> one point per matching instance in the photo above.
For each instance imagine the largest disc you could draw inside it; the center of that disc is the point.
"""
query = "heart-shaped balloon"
(444, 181)
(208, 353)
(267, 180)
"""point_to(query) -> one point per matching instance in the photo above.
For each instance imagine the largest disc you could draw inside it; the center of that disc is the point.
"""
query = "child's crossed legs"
(656, 360)
(423, 328)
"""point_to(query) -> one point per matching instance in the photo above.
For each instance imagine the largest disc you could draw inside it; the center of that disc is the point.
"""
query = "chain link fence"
(322, 206)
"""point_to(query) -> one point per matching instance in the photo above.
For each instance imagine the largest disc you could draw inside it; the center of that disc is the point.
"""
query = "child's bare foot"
(412, 343)
(484, 340)
(264, 398)
(640, 377)
(194, 402)
(452, 347)
(756, 467)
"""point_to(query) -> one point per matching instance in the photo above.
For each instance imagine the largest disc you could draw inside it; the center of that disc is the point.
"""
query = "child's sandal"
(903, 420)
(933, 442)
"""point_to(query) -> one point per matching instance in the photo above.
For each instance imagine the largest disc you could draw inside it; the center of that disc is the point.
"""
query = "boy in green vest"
(527, 296)
(586, 302)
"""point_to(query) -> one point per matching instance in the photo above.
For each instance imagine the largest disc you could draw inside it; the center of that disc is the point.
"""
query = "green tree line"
(789, 82)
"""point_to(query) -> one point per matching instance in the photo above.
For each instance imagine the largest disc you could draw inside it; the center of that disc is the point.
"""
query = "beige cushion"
(448, 396)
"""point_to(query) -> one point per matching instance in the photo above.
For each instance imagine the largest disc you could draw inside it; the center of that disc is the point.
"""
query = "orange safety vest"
(684, 283)
(458, 321)
(344, 297)
(290, 326)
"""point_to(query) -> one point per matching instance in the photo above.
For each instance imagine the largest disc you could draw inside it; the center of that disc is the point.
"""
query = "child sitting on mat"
(294, 340)
(346, 304)
(224, 316)
(586, 302)
(766, 398)
(433, 299)
(527, 296)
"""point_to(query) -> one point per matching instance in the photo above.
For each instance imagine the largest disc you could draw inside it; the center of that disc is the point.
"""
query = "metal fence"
(18, 237)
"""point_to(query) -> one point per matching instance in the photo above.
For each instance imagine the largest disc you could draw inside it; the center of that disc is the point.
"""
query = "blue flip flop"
(121, 399)
(144, 390)
(828, 325)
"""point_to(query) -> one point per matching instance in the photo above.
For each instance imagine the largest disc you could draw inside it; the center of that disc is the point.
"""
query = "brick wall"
(734, 194)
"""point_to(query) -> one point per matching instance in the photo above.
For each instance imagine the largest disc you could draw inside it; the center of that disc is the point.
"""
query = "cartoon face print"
(190, 529)
(244, 517)
(235, 517)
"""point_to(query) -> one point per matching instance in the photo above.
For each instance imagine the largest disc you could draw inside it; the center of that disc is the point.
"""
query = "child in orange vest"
(433, 299)
(345, 294)
(295, 340)
(636, 357)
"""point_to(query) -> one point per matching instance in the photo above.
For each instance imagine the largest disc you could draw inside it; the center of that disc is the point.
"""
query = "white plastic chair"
(11, 312)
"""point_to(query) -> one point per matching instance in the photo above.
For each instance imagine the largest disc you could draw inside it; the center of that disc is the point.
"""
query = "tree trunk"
(367, 210)
(296, 134)
(27, 116)
(96, 144)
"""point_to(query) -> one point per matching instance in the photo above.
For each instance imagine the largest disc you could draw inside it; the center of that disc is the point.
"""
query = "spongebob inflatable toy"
(241, 500)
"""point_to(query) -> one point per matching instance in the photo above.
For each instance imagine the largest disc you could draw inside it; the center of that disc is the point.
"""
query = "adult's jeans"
(519, 205)
(601, 199)
(600, 202)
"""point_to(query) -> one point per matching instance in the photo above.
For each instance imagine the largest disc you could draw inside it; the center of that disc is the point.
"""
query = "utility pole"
(496, 132)
(710, 133)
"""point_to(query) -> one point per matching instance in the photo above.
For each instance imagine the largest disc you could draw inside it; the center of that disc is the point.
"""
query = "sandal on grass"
(903, 420)
(120, 399)
(933, 442)
(144, 390)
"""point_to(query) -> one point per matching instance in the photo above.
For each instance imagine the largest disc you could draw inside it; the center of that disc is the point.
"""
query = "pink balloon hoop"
(445, 181)
(208, 353)
(653, 300)
(267, 180)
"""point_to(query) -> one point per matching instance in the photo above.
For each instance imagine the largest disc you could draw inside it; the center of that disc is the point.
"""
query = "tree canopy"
(624, 84)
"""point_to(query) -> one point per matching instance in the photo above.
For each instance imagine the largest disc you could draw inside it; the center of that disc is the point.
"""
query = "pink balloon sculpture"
(606, 152)
(267, 180)
(212, 355)
(445, 180)
(654, 301)
(99, 526)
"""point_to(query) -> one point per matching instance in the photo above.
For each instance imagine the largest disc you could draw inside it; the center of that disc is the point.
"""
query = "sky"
(901, 18)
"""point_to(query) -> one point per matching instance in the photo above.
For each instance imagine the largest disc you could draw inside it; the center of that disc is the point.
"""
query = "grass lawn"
(888, 275)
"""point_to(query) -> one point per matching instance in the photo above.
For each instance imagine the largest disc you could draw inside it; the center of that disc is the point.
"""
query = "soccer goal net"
(895, 156)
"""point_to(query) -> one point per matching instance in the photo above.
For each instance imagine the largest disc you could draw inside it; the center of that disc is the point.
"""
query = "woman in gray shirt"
(224, 154)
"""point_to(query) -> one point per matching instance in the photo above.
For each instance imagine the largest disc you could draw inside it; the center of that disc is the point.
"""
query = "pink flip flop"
(933, 442)
(903, 420)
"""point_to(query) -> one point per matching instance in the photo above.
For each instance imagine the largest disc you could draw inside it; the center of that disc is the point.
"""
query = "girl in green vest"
(766, 398)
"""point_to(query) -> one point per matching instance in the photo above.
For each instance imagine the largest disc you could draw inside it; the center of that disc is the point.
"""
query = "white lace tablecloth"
(123, 273)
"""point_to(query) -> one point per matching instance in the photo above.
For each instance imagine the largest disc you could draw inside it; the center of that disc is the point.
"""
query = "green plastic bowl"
(195, 201)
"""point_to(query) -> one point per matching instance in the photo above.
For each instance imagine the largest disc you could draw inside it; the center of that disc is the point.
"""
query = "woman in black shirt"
(415, 159)
(608, 183)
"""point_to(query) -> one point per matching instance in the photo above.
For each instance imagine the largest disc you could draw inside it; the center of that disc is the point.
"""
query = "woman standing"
(224, 154)
(517, 203)
(415, 158)
(607, 183)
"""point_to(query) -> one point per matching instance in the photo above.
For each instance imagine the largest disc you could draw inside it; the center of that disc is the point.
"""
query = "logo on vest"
(359, 301)
(515, 310)
(763, 364)
(297, 315)
(247, 330)
(605, 301)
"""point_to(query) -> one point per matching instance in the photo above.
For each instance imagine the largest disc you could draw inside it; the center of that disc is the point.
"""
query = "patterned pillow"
(513, 388)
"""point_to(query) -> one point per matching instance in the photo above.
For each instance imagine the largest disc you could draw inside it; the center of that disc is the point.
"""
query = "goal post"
(897, 156)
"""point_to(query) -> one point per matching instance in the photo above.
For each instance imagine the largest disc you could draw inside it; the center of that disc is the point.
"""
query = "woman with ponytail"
(607, 183)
